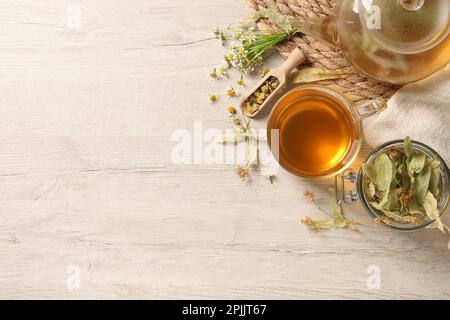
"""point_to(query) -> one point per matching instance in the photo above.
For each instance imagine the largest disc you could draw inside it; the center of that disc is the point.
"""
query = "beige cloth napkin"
(420, 110)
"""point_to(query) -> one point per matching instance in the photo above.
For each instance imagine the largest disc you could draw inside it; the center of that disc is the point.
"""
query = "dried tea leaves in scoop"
(257, 98)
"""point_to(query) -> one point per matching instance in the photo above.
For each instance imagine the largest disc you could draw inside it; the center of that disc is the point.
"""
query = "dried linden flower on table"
(236, 122)
(219, 35)
(212, 98)
(309, 195)
(242, 172)
(250, 45)
(240, 81)
(270, 177)
(231, 110)
(213, 74)
(231, 92)
(242, 133)
(223, 72)
(337, 218)
(227, 59)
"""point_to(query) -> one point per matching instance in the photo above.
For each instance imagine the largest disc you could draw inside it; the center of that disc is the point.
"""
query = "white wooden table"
(92, 205)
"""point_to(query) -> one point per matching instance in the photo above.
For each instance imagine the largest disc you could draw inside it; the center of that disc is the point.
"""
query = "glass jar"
(349, 176)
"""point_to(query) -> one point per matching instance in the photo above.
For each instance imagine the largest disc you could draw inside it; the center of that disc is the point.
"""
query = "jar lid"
(405, 26)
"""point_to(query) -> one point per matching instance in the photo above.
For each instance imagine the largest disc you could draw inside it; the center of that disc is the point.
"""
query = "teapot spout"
(323, 29)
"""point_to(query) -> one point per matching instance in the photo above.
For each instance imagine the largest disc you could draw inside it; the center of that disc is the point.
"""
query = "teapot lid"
(405, 26)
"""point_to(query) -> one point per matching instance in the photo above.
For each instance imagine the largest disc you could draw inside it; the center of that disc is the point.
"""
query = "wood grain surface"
(91, 93)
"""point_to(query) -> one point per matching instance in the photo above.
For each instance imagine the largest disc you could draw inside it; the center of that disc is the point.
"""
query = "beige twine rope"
(355, 86)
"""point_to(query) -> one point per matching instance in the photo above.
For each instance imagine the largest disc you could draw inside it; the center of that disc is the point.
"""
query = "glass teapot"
(396, 41)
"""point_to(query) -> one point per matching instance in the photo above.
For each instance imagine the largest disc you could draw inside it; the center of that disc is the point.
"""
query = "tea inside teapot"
(396, 41)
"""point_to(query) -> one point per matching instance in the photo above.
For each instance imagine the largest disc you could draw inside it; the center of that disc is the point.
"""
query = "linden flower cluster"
(246, 52)
(240, 55)
(234, 58)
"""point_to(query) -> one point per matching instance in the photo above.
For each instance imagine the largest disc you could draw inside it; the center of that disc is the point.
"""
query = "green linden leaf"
(369, 189)
(415, 208)
(406, 179)
(421, 184)
(307, 75)
(435, 177)
(398, 169)
(278, 19)
(416, 163)
(431, 209)
(392, 202)
(396, 178)
(394, 215)
(339, 220)
(408, 147)
(324, 224)
(380, 172)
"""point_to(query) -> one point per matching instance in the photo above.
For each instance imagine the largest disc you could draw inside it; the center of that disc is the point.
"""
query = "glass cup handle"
(371, 107)
(342, 195)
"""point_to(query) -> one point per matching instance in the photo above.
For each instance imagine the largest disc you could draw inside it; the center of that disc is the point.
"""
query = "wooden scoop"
(281, 73)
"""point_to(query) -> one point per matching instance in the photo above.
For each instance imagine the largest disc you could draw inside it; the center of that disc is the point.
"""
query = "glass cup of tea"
(314, 131)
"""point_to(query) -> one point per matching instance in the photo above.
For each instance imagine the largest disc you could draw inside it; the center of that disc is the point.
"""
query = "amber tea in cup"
(318, 130)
